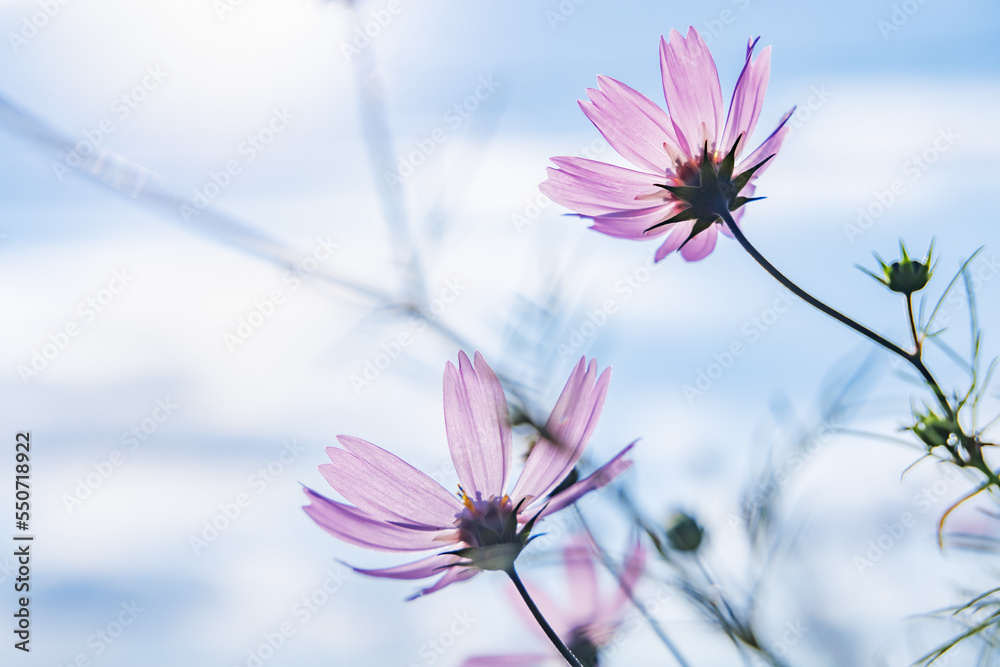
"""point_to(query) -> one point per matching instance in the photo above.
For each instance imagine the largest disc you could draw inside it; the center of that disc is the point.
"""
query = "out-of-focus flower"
(684, 533)
(398, 508)
(686, 159)
(590, 620)
(905, 276)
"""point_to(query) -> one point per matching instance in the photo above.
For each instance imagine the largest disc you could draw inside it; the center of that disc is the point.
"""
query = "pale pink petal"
(553, 613)
(771, 146)
(691, 88)
(679, 231)
(356, 527)
(452, 576)
(513, 660)
(477, 422)
(567, 431)
(701, 245)
(425, 567)
(386, 487)
(601, 477)
(594, 188)
(582, 578)
(635, 564)
(748, 98)
(633, 224)
(632, 123)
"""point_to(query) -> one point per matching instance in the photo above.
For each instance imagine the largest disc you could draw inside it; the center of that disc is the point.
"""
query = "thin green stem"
(546, 628)
(913, 324)
(911, 357)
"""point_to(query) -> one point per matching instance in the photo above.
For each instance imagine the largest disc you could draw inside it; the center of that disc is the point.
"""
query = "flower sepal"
(935, 431)
(713, 192)
(498, 550)
(905, 276)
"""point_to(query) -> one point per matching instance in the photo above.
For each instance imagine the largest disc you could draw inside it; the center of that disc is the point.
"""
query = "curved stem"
(546, 628)
(912, 357)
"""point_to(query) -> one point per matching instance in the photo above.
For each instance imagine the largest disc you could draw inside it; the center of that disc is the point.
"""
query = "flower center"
(485, 523)
(583, 647)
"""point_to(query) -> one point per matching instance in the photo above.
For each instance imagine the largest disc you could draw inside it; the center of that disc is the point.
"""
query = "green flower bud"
(934, 431)
(684, 533)
(907, 275)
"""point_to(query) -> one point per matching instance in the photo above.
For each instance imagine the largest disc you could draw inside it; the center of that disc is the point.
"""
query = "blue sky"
(201, 89)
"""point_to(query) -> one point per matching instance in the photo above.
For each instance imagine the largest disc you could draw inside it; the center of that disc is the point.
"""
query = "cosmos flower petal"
(359, 528)
(632, 123)
(678, 235)
(633, 224)
(567, 431)
(593, 193)
(601, 477)
(451, 576)
(771, 146)
(477, 422)
(748, 98)
(594, 188)
(553, 613)
(691, 88)
(701, 245)
(425, 567)
(515, 660)
(386, 487)
(635, 565)
(582, 578)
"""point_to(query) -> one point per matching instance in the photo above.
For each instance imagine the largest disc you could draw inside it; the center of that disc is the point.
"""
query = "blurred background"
(234, 229)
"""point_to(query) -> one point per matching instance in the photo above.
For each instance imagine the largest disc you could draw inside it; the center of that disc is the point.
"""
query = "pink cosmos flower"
(685, 160)
(398, 508)
(590, 620)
